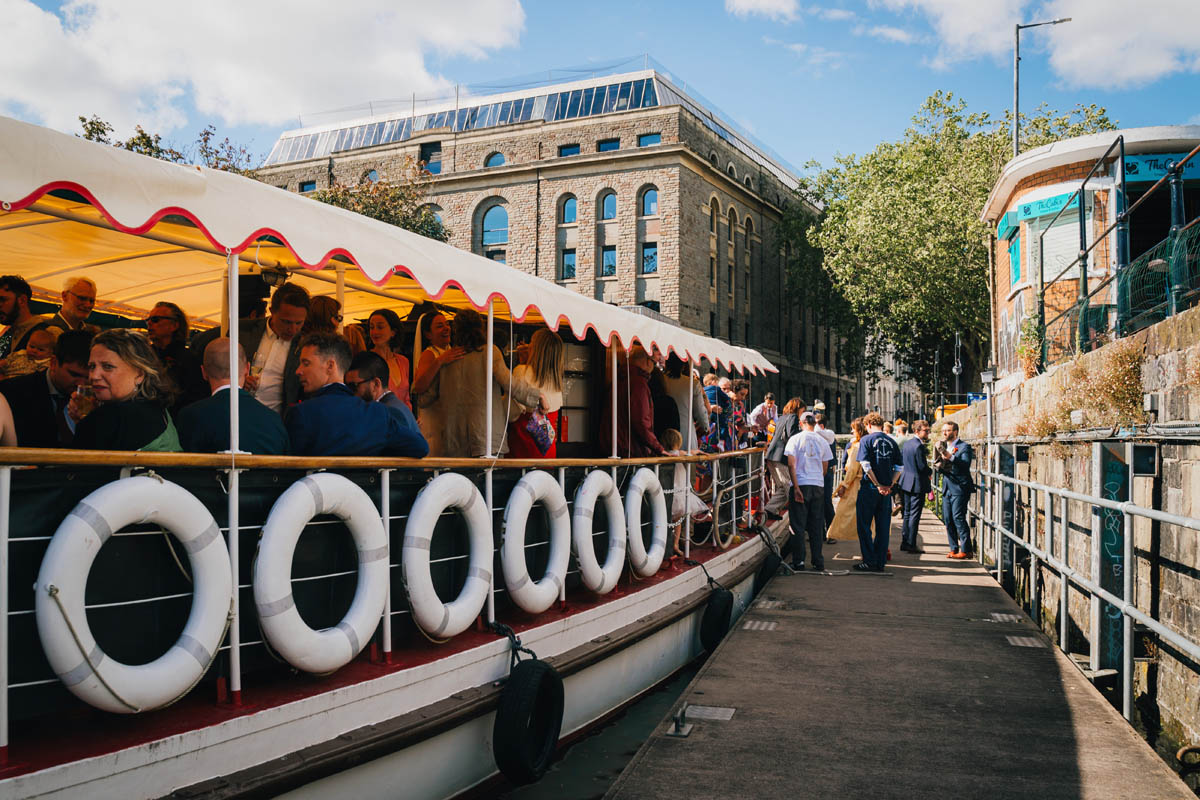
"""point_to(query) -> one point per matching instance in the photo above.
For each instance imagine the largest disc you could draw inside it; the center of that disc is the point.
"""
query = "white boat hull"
(274, 740)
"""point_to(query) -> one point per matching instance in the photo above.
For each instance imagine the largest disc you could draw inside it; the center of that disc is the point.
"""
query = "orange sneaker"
(952, 554)
(959, 556)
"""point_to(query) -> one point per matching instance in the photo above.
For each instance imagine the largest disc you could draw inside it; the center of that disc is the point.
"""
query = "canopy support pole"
(487, 475)
(341, 296)
(385, 511)
(687, 489)
(235, 373)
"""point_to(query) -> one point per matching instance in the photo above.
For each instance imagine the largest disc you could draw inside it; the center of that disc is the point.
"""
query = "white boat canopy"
(147, 230)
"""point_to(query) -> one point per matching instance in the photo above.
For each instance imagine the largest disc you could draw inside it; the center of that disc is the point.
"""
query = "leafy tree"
(901, 237)
(402, 203)
(97, 130)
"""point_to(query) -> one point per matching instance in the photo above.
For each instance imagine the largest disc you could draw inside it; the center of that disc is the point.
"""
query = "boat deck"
(929, 682)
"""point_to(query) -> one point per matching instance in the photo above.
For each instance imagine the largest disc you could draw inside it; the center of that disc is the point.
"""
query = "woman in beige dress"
(845, 520)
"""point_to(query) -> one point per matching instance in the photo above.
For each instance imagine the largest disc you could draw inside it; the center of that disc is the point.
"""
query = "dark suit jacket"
(958, 479)
(204, 426)
(787, 426)
(334, 422)
(33, 411)
(914, 456)
(250, 336)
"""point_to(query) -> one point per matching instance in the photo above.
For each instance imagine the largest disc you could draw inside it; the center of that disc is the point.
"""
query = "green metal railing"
(1159, 283)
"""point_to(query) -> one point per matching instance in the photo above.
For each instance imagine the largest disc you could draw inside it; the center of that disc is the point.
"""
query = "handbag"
(540, 430)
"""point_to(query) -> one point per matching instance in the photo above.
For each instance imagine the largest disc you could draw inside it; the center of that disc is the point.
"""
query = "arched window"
(494, 160)
(714, 211)
(436, 210)
(712, 159)
(732, 172)
(649, 204)
(495, 226)
(749, 234)
(567, 210)
(749, 184)
(608, 205)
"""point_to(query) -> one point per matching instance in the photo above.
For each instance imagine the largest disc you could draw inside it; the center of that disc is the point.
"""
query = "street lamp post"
(1017, 77)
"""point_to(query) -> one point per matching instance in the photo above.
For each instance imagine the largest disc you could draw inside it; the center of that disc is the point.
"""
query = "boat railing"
(49, 482)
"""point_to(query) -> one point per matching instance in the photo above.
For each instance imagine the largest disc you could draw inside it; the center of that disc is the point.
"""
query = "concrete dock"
(928, 682)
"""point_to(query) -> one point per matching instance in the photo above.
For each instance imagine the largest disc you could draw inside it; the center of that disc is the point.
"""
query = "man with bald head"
(204, 425)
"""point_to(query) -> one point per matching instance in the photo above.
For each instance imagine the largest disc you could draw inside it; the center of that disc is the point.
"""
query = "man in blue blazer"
(914, 483)
(333, 421)
(952, 457)
(204, 424)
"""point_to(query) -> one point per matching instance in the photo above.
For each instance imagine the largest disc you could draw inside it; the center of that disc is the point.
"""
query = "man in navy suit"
(952, 457)
(39, 399)
(914, 483)
(333, 421)
(880, 460)
(368, 378)
(204, 424)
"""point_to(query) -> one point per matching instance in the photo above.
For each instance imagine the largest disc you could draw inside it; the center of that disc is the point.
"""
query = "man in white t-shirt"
(809, 457)
(829, 437)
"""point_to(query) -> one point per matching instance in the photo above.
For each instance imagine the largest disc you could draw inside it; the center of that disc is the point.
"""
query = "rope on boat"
(515, 641)
(54, 594)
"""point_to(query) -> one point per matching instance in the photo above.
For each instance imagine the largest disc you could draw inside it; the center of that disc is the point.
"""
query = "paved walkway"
(928, 682)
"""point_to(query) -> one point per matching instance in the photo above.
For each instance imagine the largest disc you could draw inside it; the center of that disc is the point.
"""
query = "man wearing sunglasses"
(79, 298)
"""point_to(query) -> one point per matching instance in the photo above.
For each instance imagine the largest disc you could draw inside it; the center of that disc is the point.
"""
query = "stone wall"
(1166, 557)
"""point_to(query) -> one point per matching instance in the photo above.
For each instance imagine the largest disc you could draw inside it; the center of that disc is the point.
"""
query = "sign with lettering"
(1008, 226)
(1152, 166)
(1047, 205)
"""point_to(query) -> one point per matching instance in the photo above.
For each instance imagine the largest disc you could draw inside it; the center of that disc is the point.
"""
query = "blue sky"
(811, 81)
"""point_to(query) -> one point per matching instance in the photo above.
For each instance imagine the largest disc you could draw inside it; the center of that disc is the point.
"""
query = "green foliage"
(223, 155)
(901, 234)
(1029, 345)
(402, 203)
(97, 130)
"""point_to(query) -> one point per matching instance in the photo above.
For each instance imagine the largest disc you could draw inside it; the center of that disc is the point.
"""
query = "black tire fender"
(767, 571)
(714, 624)
(528, 721)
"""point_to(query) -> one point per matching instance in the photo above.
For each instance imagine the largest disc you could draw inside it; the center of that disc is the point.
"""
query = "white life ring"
(126, 688)
(446, 491)
(323, 651)
(534, 487)
(595, 577)
(645, 483)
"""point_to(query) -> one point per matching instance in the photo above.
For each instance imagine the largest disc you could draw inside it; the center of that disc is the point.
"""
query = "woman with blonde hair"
(543, 371)
(845, 519)
(124, 404)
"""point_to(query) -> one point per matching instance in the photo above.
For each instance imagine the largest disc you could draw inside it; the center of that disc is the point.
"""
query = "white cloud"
(887, 33)
(772, 9)
(831, 14)
(815, 56)
(1107, 43)
(139, 61)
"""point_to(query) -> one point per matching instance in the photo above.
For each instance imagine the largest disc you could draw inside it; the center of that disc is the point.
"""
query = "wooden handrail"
(37, 457)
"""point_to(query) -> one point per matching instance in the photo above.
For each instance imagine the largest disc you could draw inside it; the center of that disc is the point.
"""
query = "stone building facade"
(1094, 456)
(662, 206)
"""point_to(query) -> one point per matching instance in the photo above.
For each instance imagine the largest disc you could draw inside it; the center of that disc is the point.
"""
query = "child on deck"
(683, 500)
(34, 357)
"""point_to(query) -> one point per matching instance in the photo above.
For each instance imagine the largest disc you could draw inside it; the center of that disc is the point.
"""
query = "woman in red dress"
(544, 370)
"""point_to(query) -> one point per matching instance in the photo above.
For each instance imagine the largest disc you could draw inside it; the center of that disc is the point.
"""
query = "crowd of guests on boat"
(307, 385)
